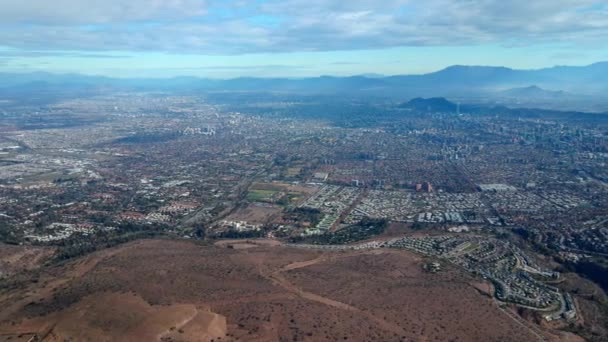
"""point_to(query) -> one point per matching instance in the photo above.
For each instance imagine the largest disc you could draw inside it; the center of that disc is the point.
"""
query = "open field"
(272, 192)
(278, 186)
(255, 214)
(181, 291)
(293, 171)
(125, 317)
(16, 259)
(261, 195)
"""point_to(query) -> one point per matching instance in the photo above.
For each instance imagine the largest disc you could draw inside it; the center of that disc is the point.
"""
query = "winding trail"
(277, 278)
(78, 269)
(534, 331)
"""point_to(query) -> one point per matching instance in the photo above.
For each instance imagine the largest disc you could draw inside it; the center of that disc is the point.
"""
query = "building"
(322, 176)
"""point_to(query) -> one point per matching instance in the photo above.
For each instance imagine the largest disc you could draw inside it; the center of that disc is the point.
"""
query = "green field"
(261, 195)
(293, 171)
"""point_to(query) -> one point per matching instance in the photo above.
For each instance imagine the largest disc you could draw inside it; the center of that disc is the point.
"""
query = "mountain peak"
(533, 91)
(433, 104)
(472, 67)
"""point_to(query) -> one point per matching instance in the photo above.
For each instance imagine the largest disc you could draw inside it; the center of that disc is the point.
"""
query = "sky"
(296, 38)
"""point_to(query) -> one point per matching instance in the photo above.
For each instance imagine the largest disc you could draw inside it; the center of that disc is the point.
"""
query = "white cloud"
(64, 12)
(224, 27)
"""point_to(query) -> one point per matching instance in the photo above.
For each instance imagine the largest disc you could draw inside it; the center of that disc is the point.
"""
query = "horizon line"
(363, 75)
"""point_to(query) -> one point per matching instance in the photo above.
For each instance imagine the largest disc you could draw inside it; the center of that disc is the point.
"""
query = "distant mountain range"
(584, 83)
(442, 105)
(534, 92)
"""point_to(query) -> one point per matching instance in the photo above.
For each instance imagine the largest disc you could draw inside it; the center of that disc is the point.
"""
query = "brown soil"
(244, 244)
(255, 214)
(179, 291)
(126, 317)
(16, 259)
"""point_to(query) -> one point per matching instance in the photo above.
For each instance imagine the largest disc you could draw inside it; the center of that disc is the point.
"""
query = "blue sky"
(296, 38)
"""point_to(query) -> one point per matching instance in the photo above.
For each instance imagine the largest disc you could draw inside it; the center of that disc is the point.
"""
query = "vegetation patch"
(365, 229)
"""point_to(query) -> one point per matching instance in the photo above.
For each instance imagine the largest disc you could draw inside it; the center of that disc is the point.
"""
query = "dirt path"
(302, 264)
(190, 315)
(534, 331)
(278, 279)
(77, 270)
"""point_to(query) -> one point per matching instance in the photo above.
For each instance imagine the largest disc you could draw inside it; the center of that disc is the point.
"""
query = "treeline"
(592, 269)
(9, 235)
(79, 244)
(311, 215)
(145, 138)
(531, 237)
(235, 234)
(365, 229)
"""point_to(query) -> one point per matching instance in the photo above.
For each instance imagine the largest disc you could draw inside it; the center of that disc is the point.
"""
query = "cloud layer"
(237, 27)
